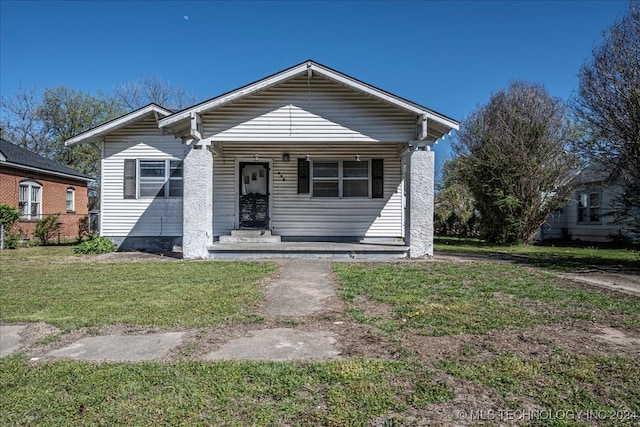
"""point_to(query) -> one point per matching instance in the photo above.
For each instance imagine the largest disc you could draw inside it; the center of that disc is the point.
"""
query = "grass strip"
(453, 298)
(71, 295)
(558, 257)
(603, 388)
(336, 393)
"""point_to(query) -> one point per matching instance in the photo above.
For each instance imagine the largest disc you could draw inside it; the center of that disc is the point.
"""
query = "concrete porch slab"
(327, 250)
(279, 344)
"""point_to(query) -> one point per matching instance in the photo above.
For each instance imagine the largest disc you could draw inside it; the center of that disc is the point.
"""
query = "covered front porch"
(311, 155)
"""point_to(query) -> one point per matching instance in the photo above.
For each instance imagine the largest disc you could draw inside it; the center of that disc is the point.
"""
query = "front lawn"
(336, 393)
(50, 285)
(452, 298)
(533, 341)
(472, 343)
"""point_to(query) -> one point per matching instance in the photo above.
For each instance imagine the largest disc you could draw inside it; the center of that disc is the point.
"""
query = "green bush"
(8, 216)
(46, 227)
(101, 245)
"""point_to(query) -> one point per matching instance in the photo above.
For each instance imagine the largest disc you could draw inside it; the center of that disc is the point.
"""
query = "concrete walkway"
(278, 344)
(299, 291)
(10, 339)
(120, 348)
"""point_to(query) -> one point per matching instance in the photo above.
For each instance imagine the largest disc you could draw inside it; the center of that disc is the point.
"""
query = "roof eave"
(47, 171)
(97, 133)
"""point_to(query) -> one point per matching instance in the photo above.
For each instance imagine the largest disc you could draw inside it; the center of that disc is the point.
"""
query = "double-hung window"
(156, 178)
(340, 178)
(326, 179)
(589, 207)
(30, 199)
(355, 178)
(71, 195)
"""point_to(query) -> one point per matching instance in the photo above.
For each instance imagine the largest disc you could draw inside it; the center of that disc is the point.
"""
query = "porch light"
(308, 158)
(357, 157)
(256, 157)
(285, 157)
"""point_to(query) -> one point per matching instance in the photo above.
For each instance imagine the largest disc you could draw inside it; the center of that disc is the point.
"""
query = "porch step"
(328, 250)
(249, 236)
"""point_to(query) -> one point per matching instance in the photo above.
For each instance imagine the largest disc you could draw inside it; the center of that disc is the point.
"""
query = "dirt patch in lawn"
(575, 338)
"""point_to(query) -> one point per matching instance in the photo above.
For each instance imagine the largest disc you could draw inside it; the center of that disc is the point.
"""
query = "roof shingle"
(18, 156)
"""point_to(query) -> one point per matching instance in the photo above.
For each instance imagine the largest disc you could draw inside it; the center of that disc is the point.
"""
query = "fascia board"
(46, 171)
(99, 131)
(233, 95)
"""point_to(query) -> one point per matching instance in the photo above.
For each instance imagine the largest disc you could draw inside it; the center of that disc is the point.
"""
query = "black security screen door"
(254, 195)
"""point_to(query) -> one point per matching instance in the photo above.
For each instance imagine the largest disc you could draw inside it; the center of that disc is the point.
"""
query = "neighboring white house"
(587, 217)
(308, 153)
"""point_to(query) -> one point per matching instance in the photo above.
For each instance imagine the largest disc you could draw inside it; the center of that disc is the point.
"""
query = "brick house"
(39, 187)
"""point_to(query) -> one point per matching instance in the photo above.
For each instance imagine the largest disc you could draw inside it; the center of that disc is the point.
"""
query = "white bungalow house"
(307, 154)
(588, 216)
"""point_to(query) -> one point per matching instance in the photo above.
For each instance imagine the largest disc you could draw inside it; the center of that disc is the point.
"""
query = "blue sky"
(446, 55)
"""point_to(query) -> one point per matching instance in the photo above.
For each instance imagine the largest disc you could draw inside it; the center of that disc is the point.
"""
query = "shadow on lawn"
(562, 256)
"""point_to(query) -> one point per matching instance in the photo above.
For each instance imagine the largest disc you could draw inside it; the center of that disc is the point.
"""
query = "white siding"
(138, 217)
(565, 223)
(315, 110)
(301, 215)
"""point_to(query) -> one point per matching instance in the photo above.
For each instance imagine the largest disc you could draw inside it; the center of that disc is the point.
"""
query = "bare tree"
(21, 121)
(515, 162)
(148, 89)
(608, 110)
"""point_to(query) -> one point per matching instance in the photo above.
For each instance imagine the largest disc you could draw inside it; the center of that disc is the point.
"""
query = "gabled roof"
(97, 133)
(592, 174)
(310, 67)
(21, 158)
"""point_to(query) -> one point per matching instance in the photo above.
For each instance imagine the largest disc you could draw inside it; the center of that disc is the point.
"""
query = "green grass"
(42, 285)
(449, 298)
(51, 285)
(557, 257)
(337, 393)
(607, 387)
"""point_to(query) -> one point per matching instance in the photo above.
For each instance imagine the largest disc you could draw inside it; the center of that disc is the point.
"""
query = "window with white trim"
(589, 207)
(30, 200)
(160, 178)
(71, 199)
(340, 178)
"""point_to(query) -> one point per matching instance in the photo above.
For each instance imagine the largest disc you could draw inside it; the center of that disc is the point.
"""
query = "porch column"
(197, 205)
(421, 176)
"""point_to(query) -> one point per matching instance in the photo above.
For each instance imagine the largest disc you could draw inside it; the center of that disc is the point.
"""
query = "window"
(589, 208)
(326, 179)
(175, 178)
(30, 199)
(343, 178)
(71, 196)
(155, 178)
(152, 178)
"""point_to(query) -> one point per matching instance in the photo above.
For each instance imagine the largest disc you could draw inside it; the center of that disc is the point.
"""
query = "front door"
(254, 195)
